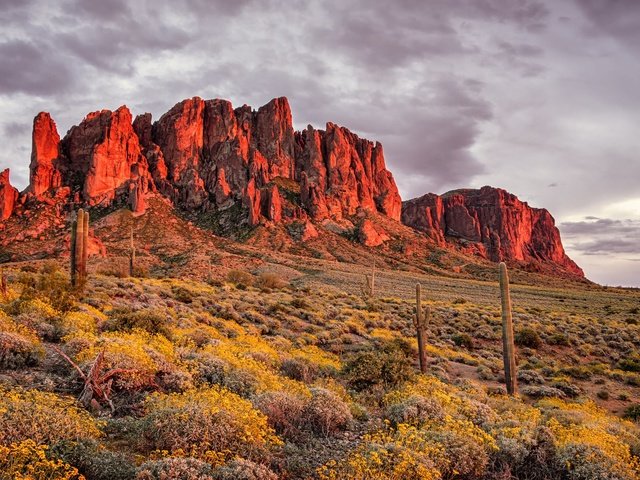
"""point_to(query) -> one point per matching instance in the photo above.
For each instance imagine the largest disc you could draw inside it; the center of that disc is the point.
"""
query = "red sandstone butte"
(500, 225)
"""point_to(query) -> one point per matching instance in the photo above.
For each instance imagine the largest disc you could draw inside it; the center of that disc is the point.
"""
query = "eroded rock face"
(8, 196)
(206, 155)
(500, 225)
(103, 157)
(44, 173)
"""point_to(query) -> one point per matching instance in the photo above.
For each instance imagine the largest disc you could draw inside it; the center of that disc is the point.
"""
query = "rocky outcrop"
(103, 157)
(250, 167)
(8, 196)
(45, 151)
(206, 155)
(494, 222)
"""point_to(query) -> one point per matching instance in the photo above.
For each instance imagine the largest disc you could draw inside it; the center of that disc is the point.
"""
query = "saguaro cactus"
(132, 255)
(508, 348)
(4, 290)
(79, 252)
(369, 290)
(420, 322)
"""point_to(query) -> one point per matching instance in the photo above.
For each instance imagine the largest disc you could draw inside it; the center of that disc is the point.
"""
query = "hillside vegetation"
(262, 376)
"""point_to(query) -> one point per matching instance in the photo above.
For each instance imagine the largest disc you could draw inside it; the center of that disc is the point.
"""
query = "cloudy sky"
(539, 97)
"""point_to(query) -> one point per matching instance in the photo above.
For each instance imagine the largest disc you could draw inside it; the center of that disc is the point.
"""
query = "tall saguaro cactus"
(369, 290)
(79, 252)
(508, 348)
(132, 255)
(420, 322)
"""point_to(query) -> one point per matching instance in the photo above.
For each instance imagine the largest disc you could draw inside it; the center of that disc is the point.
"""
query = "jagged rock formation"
(491, 221)
(8, 196)
(249, 167)
(207, 155)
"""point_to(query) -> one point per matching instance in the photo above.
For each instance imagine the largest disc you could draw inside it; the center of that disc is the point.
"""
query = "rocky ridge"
(250, 167)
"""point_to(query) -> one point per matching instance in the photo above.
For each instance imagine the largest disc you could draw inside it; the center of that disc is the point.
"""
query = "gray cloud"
(522, 94)
(616, 18)
(603, 236)
(32, 68)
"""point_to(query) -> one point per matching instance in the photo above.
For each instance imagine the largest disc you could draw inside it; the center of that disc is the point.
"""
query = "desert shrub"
(251, 362)
(632, 412)
(183, 294)
(630, 364)
(387, 366)
(542, 391)
(27, 460)
(83, 321)
(269, 281)
(415, 410)
(528, 337)
(175, 468)
(143, 357)
(50, 418)
(19, 345)
(150, 320)
(299, 369)
(326, 413)
(241, 469)
(284, 411)
(240, 277)
(93, 460)
(602, 394)
(410, 452)
(590, 443)
(578, 372)
(50, 285)
(463, 340)
(569, 389)
(202, 421)
(559, 339)
(530, 376)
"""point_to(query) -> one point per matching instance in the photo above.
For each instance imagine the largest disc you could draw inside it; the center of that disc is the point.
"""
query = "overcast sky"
(541, 98)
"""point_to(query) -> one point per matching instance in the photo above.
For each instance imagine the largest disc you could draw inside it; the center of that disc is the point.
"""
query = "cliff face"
(8, 196)
(207, 155)
(495, 223)
(251, 167)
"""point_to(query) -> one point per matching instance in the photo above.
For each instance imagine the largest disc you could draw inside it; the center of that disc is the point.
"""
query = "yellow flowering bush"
(28, 461)
(390, 454)
(19, 345)
(42, 417)
(198, 422)
(142, 356)
(586, 435)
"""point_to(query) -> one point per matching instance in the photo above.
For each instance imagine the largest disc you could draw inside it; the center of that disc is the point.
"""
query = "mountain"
(240, 172)
(492, 223)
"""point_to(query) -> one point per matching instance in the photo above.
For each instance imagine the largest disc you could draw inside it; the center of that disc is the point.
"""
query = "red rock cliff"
(495, 222)
(8, 196)
(206, 155)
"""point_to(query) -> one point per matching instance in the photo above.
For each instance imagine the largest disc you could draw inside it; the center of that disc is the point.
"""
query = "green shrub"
(528, 337)
(93, 460)
(463, 340)
(387, 367)
(149, 320)
(17, 351)
(632, 412)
